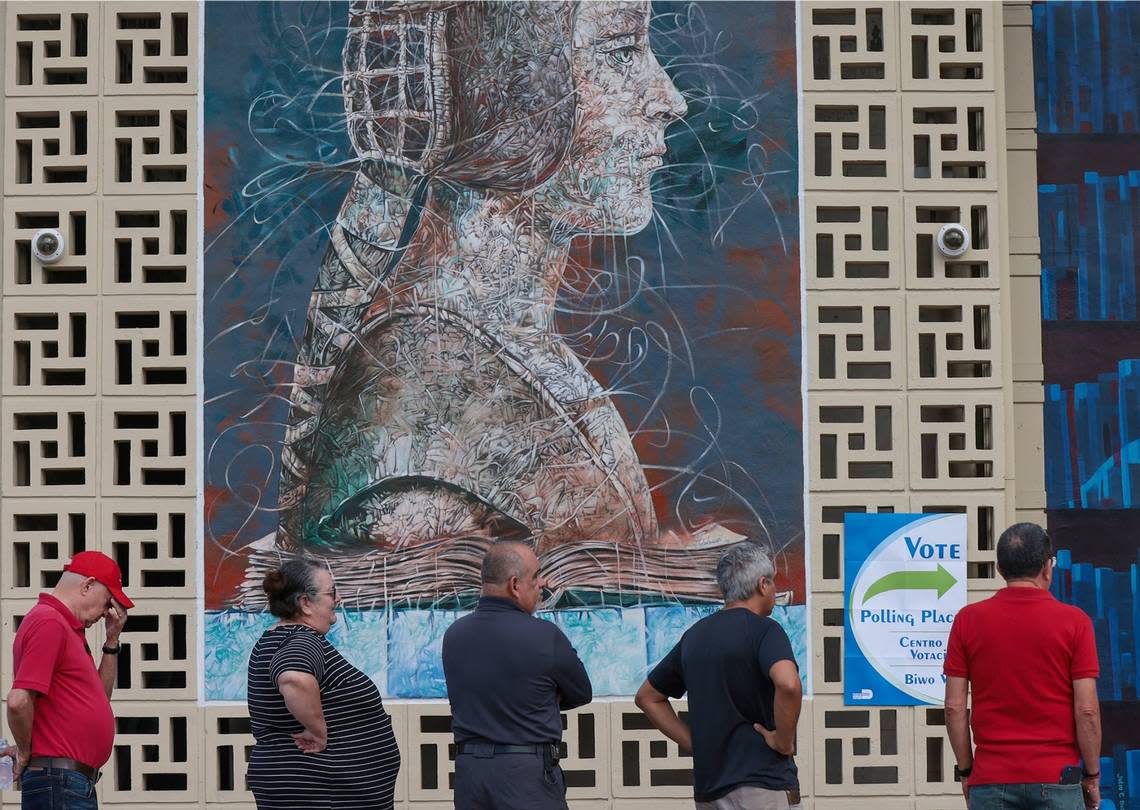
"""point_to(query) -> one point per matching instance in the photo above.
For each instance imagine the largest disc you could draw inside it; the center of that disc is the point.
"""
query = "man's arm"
(1086, 709)
(570, 677)
(786, 708)
(21, 711)
(113, 618)
(659, 711)
(958, 725)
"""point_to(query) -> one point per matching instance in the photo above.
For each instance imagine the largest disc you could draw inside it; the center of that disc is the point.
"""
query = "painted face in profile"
(625, 100)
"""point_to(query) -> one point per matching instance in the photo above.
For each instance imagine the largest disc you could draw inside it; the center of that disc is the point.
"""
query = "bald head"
(510, 571)
(506, 559)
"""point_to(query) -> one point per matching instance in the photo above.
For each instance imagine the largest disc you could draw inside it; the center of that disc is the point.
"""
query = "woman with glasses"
(323, 737)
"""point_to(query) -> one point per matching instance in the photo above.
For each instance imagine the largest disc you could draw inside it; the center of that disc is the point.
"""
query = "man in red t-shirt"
(59, 709)
(1031, 664)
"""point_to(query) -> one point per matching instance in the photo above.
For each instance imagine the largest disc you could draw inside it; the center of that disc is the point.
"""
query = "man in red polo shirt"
(1031, 664)
(59, 709)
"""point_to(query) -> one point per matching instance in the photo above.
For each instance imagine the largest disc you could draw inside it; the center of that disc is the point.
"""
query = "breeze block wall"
(922, 375)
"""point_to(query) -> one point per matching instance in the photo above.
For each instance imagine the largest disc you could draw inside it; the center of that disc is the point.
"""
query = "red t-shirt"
(73, 716)
(1021, 650)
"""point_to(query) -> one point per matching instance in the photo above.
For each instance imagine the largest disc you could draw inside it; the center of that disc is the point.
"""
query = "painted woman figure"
(434, 402)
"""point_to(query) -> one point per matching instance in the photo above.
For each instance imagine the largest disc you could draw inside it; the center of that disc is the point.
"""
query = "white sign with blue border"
(905, 580)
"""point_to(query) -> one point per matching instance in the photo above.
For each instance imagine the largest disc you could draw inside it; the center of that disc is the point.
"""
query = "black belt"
(65, 764)
(496, 748)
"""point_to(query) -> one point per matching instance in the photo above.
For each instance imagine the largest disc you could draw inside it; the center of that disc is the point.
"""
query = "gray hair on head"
(286, 585)
(740, 568)
(502, 561)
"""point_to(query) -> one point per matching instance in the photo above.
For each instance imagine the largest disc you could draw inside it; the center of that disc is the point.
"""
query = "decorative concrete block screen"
(268, 312)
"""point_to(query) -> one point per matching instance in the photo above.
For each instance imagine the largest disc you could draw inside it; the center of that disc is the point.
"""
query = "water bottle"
(5, 768)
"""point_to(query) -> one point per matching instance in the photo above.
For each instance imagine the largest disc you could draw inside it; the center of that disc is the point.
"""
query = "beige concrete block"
(55, 146)
(951, 47)
(856, 341)
(150, 245)
(150, 145)
(949, 145)
(849, 46)
(927, 268)
(957, 440)
(149, 446)
(852, 240)
(850, 142)
(150, 49)
(954, 343)
(39, 536)
(856, 443)
(150, 346)
(52, 49)
(153, 540)
(50, 346)
(76, 272)
(50, 448)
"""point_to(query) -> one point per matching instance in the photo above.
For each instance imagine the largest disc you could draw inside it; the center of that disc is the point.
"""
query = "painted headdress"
(477, 95)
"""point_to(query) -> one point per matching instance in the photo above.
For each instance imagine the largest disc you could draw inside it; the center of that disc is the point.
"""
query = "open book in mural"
(479, 271)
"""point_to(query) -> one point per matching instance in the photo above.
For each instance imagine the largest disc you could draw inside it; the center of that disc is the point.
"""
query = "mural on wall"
(478, 271)
(1089, 169)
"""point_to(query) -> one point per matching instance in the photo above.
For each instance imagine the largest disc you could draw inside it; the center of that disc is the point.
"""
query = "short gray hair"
(740, 568)
(503, 560)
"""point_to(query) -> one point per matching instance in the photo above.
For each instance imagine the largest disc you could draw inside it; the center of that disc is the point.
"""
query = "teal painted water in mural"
(400, 649)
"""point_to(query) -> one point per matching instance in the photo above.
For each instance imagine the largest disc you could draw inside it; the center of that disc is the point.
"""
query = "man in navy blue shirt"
(509, 675)
(744, 693)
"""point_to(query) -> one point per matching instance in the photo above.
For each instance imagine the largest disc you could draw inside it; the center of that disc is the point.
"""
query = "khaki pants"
(749, 797)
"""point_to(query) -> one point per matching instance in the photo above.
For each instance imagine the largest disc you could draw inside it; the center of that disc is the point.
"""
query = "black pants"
(508, 782)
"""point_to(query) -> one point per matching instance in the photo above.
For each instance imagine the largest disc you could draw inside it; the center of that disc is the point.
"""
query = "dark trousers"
(56, 789)
(508, 782)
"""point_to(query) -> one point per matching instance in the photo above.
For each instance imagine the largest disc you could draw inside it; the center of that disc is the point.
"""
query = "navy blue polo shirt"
(509, 675)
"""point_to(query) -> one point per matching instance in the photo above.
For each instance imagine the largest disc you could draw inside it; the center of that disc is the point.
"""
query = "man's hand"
(19, 760)
(114, 618)
(770, 738)
(309, 742)
(1090, 790)
(966, 791)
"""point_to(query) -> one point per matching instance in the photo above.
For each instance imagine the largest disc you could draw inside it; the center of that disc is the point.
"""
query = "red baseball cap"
(102, 568)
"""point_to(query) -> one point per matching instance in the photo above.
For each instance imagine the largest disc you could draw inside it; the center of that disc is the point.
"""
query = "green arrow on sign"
(940, 580)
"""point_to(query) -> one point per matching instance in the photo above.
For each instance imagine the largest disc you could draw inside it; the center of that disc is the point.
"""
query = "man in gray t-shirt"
(744, 693)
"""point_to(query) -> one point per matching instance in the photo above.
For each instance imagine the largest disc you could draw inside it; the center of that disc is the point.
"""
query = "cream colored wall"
(95, 463)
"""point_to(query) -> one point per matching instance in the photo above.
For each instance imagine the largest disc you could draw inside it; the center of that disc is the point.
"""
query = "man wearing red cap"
(59, 709)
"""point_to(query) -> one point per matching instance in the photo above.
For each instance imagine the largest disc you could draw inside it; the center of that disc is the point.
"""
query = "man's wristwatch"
(109, 650)
(965, 772)
(1086, 775)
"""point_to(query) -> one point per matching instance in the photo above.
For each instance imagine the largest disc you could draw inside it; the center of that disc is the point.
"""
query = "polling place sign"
(905, 580)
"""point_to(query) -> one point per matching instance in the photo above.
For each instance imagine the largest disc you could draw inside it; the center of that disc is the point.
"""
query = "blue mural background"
(717, 272)
(1087, 98)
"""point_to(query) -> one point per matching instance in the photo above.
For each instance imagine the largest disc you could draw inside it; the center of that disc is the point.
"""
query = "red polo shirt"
(73, 716)
(1021, 650)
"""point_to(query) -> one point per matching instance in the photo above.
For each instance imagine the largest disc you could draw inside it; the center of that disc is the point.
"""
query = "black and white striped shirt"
(358, 768)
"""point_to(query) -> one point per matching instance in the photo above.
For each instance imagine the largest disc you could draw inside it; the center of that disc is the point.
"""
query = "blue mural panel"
(1088, 158)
